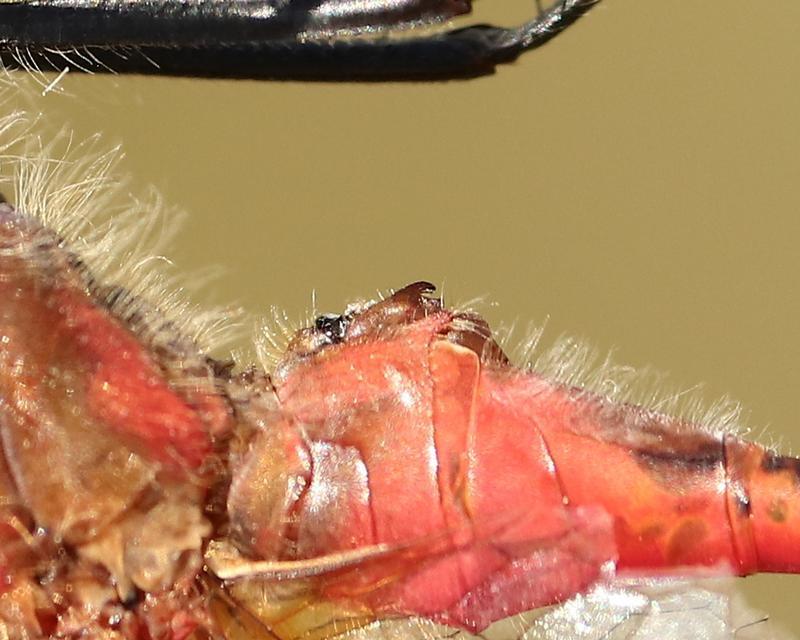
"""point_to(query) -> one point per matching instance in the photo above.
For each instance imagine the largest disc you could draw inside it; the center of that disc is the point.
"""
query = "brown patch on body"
(687, 536)
(778, 510)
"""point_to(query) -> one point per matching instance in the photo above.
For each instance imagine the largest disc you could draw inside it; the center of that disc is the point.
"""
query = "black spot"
(131, 599)
(332, 326)
(742, 504)
(772, 463)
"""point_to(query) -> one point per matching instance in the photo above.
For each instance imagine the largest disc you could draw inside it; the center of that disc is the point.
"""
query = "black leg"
(467, 52)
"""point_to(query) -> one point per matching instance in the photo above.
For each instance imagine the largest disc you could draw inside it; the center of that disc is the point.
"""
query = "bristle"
(566, 361)
(573, 363)
(46, 67)
(471, 305)
(526, 349)
(75, 189)
(272, 337)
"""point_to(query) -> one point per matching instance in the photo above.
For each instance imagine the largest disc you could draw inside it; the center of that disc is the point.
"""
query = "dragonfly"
(394, 474)
(277, 39)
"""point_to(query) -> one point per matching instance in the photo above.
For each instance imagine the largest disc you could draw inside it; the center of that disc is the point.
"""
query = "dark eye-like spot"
(332, 326)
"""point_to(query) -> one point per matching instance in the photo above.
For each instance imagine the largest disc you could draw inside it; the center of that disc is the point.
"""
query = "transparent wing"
(665, 609)
(643, 610)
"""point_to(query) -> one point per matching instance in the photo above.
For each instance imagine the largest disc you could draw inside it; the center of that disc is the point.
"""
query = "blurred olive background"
(636, 181)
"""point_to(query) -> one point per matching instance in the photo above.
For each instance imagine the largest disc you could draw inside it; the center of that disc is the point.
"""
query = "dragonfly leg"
(460, 53)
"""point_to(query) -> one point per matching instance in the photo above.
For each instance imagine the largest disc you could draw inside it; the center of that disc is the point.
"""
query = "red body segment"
(394, 464)
(55, 333)
(764, 491)
(102, 481)
(507, 473)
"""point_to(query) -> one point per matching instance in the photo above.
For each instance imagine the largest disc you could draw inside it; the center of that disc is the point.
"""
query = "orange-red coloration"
(509, 491)
(103, 480)
(394, 464)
